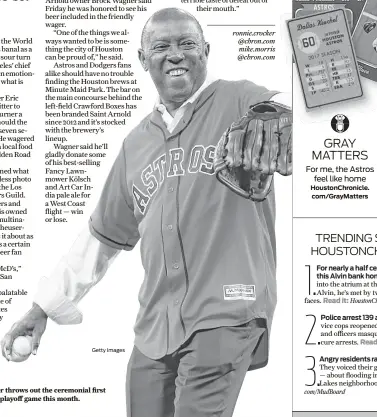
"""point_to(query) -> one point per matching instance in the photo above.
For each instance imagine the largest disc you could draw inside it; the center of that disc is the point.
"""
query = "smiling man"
(175, 54)
(209, 293)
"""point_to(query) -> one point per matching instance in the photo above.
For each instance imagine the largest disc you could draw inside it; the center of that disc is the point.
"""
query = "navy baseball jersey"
(208, 254)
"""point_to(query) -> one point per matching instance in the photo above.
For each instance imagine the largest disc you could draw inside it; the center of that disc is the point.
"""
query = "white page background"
(65, 358)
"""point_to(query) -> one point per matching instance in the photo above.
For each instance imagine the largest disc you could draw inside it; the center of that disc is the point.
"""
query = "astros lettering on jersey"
(200, 161)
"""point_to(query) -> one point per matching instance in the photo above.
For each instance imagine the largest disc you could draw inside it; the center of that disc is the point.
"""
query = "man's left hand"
(254, 148)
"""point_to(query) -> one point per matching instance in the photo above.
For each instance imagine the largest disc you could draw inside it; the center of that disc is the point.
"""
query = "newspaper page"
(334, 229)
(146, 215)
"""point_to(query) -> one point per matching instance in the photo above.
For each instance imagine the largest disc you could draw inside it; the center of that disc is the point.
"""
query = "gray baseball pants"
(201, 379)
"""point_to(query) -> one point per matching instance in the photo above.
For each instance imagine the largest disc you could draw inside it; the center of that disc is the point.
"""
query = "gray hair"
(166, 14)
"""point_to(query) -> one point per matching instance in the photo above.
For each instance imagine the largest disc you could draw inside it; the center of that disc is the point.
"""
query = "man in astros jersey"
(209, 293)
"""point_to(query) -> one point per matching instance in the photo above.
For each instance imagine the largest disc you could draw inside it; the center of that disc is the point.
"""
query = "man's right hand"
(33, 323)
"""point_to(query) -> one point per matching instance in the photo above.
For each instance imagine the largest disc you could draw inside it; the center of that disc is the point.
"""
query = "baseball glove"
(254, 148)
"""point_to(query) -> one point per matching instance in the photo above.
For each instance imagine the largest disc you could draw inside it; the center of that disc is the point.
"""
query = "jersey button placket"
(173, 254)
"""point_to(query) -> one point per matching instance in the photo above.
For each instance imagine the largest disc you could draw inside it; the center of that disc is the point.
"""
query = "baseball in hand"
(21, 348)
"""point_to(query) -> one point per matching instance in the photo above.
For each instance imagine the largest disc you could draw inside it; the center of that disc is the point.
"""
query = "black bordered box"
(325, 58)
